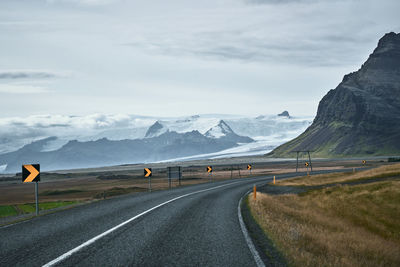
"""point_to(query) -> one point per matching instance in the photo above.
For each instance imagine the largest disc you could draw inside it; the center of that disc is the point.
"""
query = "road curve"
(199, 228)
(193, 225)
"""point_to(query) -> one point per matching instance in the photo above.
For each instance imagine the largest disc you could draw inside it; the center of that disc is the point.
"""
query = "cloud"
(26, 74)
(277, 2)
(16, 132)
(316, 51)
(304, 33)
(84, 2)
(22, 89)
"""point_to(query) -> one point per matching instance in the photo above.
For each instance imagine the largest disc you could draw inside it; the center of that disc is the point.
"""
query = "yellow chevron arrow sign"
(147, 172)
(31, 173)
(209, 169)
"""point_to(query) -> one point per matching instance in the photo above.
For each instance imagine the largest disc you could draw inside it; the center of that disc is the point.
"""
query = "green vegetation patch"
(13, 210)
(31, 207)
(7, 211)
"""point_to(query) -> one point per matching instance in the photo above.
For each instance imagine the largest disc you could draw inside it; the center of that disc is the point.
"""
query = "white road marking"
(247, 237)
(94, 239)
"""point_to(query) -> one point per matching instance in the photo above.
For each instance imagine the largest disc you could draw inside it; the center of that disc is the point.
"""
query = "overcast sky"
(181, 57)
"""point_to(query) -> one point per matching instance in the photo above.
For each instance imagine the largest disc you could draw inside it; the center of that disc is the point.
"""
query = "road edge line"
(250, 244)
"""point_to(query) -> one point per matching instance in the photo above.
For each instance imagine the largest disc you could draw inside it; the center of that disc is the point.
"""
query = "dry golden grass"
(338, 226)
(380, 172)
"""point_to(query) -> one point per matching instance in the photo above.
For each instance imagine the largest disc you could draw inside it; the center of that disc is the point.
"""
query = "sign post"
(31, 173)
(209, 170)
(148, 173)
(174, 173)
(37, 197)
(249, 167)
(307, 168)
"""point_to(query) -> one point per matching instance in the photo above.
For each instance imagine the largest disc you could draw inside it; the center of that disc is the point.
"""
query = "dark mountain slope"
(362, 115)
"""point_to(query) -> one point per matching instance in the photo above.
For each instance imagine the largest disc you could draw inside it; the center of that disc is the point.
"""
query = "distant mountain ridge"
(361, 116)
(65, 142)
(103, 152)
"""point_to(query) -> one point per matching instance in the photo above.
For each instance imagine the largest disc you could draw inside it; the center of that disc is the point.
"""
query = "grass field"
(356, 225)
(376, 173)
(11, 210)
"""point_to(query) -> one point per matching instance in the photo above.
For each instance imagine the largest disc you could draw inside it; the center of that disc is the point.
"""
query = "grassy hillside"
(337, 140)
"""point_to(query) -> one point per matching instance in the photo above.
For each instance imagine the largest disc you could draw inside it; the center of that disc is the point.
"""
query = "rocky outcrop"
(154, 130)
(361, 116)
(284, 114)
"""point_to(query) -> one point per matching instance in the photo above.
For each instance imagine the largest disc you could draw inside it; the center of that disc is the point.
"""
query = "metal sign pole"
(169, 171)
(150, 183)
(37, 197)
(179, 175)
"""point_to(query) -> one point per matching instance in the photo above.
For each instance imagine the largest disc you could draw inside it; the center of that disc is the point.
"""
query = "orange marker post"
(254, 191)
(274, 179)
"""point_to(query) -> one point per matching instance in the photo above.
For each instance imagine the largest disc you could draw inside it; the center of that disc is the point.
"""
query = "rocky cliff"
(361, 116)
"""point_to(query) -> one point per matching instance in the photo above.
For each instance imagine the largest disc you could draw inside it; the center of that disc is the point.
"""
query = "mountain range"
(66, 142)
(361, 116)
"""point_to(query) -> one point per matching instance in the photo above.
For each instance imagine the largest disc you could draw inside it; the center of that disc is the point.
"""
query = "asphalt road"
(189, 226)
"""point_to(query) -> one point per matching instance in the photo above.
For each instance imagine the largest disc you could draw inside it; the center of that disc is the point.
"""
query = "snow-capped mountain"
(155, 130)
(232, 134)
(220, 130)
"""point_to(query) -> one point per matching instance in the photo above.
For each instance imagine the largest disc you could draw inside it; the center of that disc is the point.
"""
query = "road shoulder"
(264, 246)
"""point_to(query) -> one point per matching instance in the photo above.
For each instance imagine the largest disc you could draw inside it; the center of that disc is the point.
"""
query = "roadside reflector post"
(274, 179)
(254, 192)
